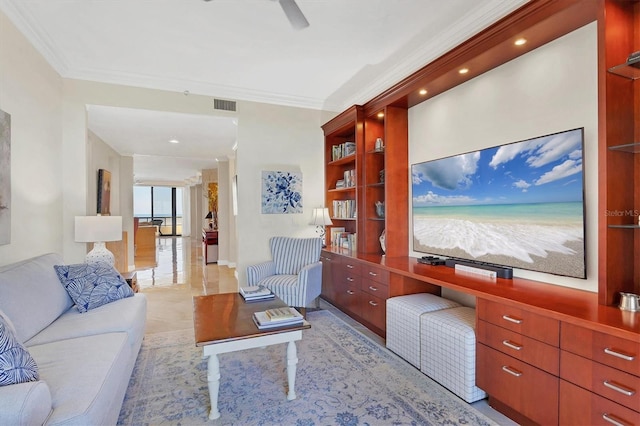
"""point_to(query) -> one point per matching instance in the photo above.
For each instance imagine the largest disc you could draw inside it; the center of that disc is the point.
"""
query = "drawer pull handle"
(351, 292)
(372, 303)
(350, 266)
(350, 279)
(512, 371)
(373, 274)
(372, 288)
(512, 345)
(611, 419)
(610, 351)
(619, 388)
(512, 319)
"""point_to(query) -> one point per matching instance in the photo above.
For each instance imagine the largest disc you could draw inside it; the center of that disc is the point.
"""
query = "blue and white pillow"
(92, 284)
(16, 363)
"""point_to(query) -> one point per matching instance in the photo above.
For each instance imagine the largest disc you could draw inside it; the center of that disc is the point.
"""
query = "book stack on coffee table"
(278, 317)
(255, 293)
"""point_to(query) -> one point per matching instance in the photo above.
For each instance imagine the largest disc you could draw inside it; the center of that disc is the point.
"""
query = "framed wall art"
(104, 192)
(5, 178)
(281, 192)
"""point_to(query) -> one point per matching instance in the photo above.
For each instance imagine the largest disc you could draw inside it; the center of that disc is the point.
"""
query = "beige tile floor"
(177, 273)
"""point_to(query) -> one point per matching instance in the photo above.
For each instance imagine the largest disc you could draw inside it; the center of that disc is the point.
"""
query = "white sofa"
(85, 360)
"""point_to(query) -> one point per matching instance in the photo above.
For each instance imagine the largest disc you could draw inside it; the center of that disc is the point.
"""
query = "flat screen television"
(519, 205)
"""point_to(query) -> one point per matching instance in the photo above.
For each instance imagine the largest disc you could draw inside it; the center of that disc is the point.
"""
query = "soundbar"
(501, 271)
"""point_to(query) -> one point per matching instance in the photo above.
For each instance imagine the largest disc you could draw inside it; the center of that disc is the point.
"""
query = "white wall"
(31, 92)
(275, 138)
(50, 172)
(551, 89)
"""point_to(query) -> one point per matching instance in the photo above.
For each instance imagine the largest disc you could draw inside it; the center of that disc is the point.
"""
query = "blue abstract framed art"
(281, 192)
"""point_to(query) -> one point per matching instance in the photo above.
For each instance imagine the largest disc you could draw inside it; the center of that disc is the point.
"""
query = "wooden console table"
(210, 245)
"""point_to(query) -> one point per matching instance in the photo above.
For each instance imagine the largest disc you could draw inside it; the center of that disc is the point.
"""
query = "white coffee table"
(223, 323)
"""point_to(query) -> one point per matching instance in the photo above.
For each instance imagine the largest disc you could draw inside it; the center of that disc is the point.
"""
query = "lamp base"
(100, 254)
(321, 233)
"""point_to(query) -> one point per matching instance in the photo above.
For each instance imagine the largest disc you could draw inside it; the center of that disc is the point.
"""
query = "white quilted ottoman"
(448, 351)
(403, 322)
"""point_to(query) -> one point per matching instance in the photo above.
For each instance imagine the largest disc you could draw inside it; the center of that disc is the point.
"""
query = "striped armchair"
(295, 272)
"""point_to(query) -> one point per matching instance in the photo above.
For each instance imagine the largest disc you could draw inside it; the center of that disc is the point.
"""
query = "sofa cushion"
(16, 364)
(87, 377)
(31, 294)
(93, 284)
(128, 315)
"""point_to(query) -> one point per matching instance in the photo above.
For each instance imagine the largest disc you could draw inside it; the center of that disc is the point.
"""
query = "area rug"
(343, 378)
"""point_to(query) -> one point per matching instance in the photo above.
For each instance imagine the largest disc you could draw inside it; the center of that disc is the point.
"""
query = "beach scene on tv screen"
(520, 205)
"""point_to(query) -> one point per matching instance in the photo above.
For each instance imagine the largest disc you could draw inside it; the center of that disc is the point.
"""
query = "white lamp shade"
(91, 229)
(321, 217)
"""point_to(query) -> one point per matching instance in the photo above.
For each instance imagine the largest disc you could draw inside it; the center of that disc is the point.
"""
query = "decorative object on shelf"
(104, 192)
(320, 219)
(281, 192)
(629, 302)
(634, 59)
(379, 145)
(382, 176)
(383, 241)
(5, 178)
(380, 208)
(210, 217)
(98, 230)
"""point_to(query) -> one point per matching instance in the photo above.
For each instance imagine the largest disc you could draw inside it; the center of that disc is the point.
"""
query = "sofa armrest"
(256, 273)
(25, 403)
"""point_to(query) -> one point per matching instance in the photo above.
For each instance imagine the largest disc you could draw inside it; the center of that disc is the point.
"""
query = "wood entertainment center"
(571, 357)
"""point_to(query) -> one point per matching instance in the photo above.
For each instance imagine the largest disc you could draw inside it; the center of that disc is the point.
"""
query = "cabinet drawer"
(536, 326)
(380, 275)
(374, 288)
(531, 351)
(580, 407)
(526, 389)
(348, 298)
(374, 310)
(351, 267)
(603, 380)
(351, 280)
(613, 351)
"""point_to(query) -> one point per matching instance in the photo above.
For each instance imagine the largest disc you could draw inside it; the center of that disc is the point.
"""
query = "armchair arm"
(256, 273)
(310, 282)
(25, 403)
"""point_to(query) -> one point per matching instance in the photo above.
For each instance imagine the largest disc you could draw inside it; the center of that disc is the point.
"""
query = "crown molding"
(38, 39)
(465, 28)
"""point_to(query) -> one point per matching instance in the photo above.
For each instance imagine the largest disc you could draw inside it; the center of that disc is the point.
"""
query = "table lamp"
(321, 218)
(98, 230)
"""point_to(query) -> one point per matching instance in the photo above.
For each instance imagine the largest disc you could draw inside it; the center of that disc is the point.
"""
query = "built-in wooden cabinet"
(552, 392)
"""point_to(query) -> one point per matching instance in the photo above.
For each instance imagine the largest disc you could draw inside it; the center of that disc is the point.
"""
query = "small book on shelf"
(279, 317)
(254, 293)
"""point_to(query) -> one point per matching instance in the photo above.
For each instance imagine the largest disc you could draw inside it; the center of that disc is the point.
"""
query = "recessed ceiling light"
(463, 70)
(423, 92)
(380, 114)
(174, 141)
(520, 41)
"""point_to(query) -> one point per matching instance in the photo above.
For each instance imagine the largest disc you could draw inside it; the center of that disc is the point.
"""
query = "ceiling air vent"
(223, 105)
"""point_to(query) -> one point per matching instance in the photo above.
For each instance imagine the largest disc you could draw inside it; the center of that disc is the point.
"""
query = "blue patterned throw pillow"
(92, 284)
(16, 363)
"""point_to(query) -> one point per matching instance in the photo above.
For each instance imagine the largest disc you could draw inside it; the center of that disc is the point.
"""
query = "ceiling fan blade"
(294, 14)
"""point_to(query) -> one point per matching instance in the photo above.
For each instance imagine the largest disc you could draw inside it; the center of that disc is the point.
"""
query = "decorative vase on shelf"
(380, 208)
(383, 241)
